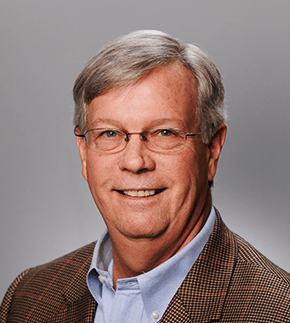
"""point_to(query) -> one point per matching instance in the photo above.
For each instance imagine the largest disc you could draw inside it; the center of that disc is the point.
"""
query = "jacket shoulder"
(259, 290)
(232, 282)
(48, 287)
(251, 257)
(61, 269)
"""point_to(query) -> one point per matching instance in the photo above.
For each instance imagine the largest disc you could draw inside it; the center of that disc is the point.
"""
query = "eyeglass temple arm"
(198, 133)
(76, 134)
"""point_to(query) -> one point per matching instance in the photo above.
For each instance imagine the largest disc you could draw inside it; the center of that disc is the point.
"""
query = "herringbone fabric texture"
(229, 282)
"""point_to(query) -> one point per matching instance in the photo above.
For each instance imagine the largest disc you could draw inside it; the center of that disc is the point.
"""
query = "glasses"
(115, 140)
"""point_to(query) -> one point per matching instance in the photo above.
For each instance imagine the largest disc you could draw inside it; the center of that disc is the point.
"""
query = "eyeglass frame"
(127, 134)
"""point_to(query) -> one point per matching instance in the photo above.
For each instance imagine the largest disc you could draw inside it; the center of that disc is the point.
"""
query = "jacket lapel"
(201, 296)
(79, 306)
(82, 310)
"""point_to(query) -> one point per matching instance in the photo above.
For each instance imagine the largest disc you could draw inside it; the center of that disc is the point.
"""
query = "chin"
(142, 231)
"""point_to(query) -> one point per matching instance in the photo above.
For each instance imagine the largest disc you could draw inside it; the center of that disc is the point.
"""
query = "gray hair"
(129, 58)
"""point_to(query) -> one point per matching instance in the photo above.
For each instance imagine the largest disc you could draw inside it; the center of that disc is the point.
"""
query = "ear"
(83, 154)
(214, 150)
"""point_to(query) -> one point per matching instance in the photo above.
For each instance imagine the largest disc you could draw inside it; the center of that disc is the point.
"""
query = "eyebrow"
(153, 123)
(106, 120)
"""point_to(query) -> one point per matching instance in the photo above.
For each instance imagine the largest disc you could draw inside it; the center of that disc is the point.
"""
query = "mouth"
(141, 193)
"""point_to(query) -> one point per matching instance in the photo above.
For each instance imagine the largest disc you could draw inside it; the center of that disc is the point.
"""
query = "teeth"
(140, 193)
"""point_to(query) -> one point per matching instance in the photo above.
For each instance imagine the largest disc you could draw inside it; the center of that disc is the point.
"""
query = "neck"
(132, 257)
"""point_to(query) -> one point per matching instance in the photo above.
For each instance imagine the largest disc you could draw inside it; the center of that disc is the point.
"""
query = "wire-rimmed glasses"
(108, 140)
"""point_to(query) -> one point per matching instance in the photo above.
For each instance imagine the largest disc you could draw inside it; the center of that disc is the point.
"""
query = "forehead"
(167, 92)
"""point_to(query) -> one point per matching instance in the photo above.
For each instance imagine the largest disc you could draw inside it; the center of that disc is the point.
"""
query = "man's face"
(179, 180)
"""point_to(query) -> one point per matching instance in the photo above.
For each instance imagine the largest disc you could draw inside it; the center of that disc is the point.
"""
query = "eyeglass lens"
(116, 140)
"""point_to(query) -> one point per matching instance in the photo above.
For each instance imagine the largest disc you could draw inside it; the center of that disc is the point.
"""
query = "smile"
(141, 193)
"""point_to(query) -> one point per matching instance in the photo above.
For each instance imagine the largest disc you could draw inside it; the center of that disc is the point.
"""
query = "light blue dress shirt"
(143, 298)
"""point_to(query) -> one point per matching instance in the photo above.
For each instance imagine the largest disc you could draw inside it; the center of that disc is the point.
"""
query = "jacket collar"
(77, 287)
(81, 307)
(70, 299)
(201, 296)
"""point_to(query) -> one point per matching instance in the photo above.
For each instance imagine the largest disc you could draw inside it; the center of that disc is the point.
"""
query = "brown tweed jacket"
(229, 282)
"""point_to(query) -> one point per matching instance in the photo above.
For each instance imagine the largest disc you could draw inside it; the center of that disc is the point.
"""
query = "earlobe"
(215, 147)
(83, 155)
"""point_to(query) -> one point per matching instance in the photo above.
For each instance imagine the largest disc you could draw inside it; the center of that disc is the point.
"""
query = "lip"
(140, 193)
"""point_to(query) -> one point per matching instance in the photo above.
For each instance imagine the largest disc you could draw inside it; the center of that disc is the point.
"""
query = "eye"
(166, 133)
(109, 134)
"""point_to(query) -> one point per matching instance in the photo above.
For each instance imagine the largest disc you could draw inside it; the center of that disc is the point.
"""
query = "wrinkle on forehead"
(166, 122)
(182, 90)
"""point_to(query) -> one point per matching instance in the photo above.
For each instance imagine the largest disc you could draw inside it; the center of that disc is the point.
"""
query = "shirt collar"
(159, 285)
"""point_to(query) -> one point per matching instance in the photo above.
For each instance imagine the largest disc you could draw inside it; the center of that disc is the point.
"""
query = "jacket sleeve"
(7, 300)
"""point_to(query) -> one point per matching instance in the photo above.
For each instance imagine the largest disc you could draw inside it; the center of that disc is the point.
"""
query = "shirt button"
(132, 283)
(101, 279)
(155, 315)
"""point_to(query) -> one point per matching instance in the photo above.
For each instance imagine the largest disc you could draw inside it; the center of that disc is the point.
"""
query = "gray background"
(46, 207)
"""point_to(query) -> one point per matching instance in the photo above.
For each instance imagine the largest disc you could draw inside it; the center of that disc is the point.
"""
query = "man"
(149, 121)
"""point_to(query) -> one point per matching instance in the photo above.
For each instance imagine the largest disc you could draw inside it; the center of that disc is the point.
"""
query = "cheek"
(97, 172)
(98, 163)
(191, 169)
(180, 171)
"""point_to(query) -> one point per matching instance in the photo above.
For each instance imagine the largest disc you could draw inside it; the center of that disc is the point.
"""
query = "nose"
(136, 158)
